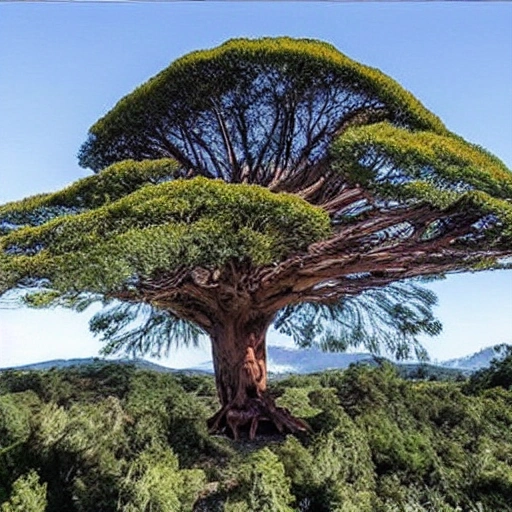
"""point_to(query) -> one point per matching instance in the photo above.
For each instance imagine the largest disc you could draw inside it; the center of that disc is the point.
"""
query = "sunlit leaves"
(259, 105)
(395, 155)
(28, 494)
(92, 192)
(261, 485)
(408, 168)
(14, 422)
(160, 228)
(154, 483)
(76, 430)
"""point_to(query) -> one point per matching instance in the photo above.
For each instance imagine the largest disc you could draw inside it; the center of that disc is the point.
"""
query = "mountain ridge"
(475, 361)
(282, 360)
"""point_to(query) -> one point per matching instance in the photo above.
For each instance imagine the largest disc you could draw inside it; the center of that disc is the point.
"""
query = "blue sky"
(63, 65)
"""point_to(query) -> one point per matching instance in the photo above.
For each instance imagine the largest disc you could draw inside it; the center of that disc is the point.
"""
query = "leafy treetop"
(155, 228)
(272, 177)
(251, 108)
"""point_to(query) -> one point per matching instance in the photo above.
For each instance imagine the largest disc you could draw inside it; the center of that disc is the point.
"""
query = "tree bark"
(240, 364)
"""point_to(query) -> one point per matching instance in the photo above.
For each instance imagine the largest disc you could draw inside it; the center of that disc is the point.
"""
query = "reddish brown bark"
(235, 303)
(239, 358)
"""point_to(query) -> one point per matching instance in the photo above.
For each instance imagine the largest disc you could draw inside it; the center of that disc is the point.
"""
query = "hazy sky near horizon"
(64, 65)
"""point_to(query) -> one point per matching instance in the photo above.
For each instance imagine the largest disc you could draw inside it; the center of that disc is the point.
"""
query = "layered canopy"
(251, 110)
(267, 175)
(109, 245)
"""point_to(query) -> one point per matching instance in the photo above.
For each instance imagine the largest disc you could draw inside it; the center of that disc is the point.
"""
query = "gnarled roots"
(261, 411)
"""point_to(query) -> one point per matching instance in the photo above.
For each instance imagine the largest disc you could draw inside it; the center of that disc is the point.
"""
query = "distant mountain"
(282, 360)
(67, 363)
(473, 362)
(289, 360)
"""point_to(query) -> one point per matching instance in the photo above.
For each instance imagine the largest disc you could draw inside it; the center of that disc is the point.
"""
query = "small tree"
(264, 182)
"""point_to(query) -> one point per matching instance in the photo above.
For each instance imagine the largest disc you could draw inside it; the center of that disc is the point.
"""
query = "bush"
(28, 495)
(498, 374)
(261, 485)
(154, 483)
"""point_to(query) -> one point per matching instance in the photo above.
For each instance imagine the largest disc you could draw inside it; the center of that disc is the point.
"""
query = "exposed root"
(234, 418)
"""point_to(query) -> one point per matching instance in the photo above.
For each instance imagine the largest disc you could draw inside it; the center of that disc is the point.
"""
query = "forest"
(110, 437)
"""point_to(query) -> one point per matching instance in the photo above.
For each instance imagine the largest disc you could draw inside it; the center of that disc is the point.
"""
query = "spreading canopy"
(251, 110)
(272, 177)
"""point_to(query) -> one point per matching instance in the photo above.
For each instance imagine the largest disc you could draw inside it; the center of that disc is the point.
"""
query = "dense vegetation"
(113, 438)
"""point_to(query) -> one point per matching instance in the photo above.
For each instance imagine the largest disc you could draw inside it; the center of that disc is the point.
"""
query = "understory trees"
(264, 182)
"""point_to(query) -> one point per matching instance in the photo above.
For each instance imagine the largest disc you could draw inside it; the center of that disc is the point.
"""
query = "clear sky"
(63, 65)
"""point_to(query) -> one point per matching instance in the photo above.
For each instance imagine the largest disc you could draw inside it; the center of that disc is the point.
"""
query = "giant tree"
(264, 182)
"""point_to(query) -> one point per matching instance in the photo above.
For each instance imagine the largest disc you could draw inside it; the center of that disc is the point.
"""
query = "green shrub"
(28, 495)
(154, 483)
(261, 485)
(132, 440)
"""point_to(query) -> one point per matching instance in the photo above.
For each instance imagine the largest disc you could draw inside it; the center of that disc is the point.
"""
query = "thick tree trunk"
(239, 359)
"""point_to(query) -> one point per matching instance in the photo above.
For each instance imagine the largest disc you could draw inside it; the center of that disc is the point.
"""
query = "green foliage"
(76, 430)
(77, 449)
(111, 184)
(172, 417)
(441, 170)
(16, 426)
(14, 421)
(154, 483)
(445, 161)
(115, 438)
(499, 372)
(161, 228)
(396, 447)
(297, 401)
(28, 495)
(254, 84)
(261, 485)
(335, 473)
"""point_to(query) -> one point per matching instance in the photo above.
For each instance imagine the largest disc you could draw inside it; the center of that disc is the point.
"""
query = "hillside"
(60, 364)
(476, 361)
(283, 361)
(110, 437)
